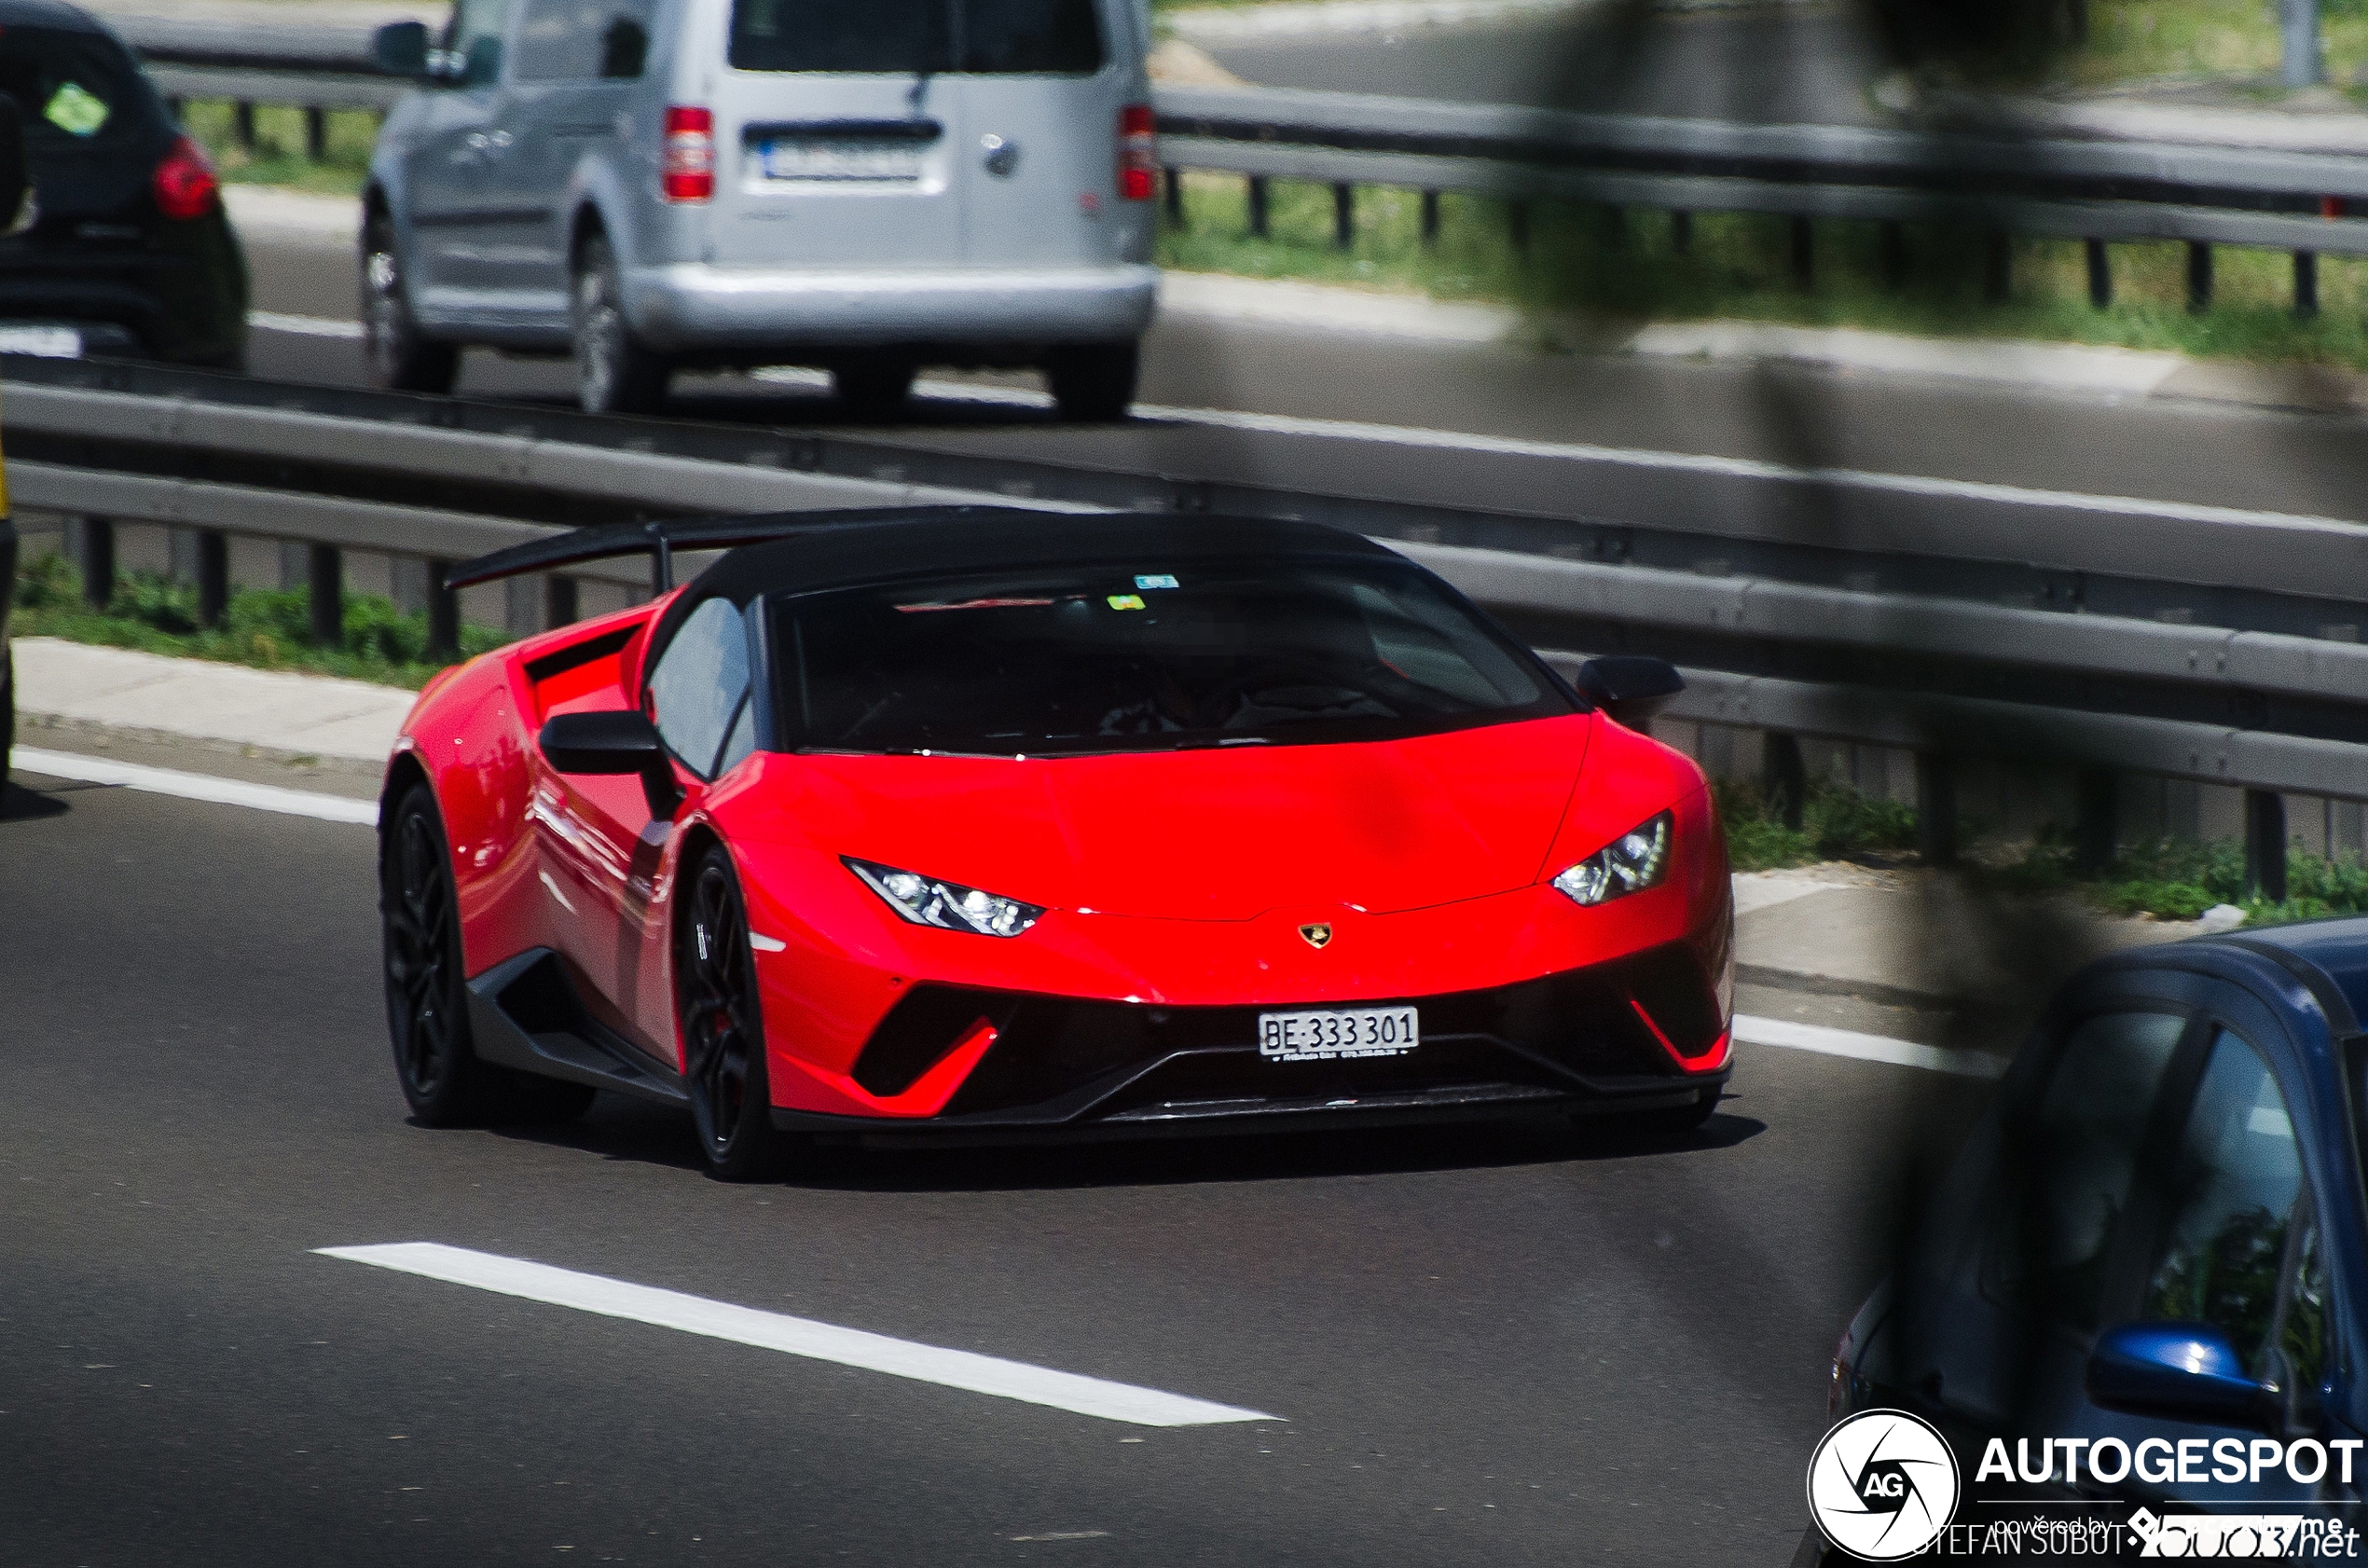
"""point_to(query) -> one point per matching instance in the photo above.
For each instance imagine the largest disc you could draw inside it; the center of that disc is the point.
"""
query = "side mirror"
(2188, 1371)
(19, 211)
(400, 49)
(614, 743)
(1630, 687)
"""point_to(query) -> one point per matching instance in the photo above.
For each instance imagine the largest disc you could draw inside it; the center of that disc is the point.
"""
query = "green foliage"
(2178, 879)
(1836, 821)
(279, 155)
(265, 628)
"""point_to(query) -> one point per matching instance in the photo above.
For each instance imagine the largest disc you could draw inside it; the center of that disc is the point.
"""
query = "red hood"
(1207, 835)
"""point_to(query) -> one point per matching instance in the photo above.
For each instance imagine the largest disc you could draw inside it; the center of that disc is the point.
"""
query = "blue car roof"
(2337, 948)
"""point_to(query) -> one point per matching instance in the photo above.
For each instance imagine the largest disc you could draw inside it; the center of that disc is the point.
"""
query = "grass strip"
(261, 629)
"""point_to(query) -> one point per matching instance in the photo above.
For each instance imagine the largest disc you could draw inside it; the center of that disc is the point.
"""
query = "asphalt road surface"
(1519, 431)
(1513, 1344)
(1782, 65)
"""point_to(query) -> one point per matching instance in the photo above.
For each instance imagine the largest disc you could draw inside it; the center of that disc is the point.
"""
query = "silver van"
(654, 184)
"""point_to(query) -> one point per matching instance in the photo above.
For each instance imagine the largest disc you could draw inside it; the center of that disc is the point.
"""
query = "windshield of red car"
(1145, 655)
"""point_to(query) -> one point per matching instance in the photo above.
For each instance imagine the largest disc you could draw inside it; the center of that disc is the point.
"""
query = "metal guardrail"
(2056, 188)
(1943, 677)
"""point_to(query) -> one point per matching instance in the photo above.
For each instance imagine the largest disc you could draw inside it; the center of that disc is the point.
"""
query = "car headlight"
(924, 901)
(1636, 860)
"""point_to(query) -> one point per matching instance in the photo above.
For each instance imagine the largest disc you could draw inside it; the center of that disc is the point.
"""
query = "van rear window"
(918, 38)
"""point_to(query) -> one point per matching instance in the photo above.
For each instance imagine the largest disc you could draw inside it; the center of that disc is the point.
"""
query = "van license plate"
(1338, 1036)
(837, 158)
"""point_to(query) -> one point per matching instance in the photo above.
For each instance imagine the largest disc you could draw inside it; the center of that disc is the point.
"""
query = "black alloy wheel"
(399, 359)
(873, 389)
(723, 1030)
(614, 373)
(427, 1007)
(1093, 381)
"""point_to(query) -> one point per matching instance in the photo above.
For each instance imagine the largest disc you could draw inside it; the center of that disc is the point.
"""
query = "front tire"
(1677, 1121)
(723, 1030)
(1093, 382)
(400, 360)
(427, 1000)
(615, 373)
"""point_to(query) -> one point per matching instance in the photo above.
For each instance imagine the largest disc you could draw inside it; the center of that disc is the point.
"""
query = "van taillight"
(185, 183)
(686, 164)
(1138, 154)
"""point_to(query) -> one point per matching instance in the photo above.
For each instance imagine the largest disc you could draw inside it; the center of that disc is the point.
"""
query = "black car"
(129, 251)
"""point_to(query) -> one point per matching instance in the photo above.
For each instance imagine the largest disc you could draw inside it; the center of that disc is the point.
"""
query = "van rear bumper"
(691, 308)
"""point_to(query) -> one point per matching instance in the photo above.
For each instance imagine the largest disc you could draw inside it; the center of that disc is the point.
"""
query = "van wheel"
(1093, 381)
(614, 374)
(873, 389)
(400, 360)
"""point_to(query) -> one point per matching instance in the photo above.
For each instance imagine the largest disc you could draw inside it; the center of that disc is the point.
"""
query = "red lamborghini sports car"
(987, 824)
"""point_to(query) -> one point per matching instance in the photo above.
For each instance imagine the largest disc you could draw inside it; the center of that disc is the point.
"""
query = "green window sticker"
(76, 111)
(1126, 601)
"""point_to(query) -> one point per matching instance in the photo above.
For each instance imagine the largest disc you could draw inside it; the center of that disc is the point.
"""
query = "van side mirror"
(19, 211)
(2188, 1371)
(614, 743)
(400, 49)
(1630, 687)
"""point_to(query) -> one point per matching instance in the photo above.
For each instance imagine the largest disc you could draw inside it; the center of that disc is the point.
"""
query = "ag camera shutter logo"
(1882, 1485)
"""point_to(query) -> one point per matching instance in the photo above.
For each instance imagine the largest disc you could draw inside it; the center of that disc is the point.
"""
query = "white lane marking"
(195, 785)
(303, 326)
(794, 1336)
(1573, 451)
(1865, 1048)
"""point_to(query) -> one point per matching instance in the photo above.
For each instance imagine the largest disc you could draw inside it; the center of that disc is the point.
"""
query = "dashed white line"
(304, 326)
(794, 1336)
(1865, 1048)
(195, 786)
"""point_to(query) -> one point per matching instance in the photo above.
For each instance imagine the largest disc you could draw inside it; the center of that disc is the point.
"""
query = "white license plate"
(48, 342)
(840, 158)
(1338, 1036)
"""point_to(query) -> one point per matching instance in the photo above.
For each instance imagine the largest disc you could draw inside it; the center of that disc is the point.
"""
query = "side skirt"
(525, 1014)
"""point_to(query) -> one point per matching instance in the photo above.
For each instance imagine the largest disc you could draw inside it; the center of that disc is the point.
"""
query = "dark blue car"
(2154, 1235)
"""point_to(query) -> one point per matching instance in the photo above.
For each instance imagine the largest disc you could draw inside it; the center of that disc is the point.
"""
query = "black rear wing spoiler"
(660, 539)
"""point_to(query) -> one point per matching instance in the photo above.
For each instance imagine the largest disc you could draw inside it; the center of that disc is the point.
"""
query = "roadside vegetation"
(278, 156)
(262, 628)
(1588, 273)
(2186, 41)
(2171, 879)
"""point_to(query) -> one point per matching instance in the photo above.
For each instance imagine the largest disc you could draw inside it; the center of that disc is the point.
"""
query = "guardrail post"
(2306, 284)
(2097, 829)
(1680, 232)
(1257, 206)
(1430, 218)
(1894, 249)
(2199, 276)
(1998, 268)
(444, 613)
(316, 134)
(1804, 252)
(1517, 226)
(213, 576)
(91, 541)
(1784, 781)
(243, 124)
(2266, 844)
(324, 587)
(1343, 215)
(559, 603)
(177, 108)
(1615, 229)
(1935, 809)
(1172, 187)
(2100, 274)
(2298, 63)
